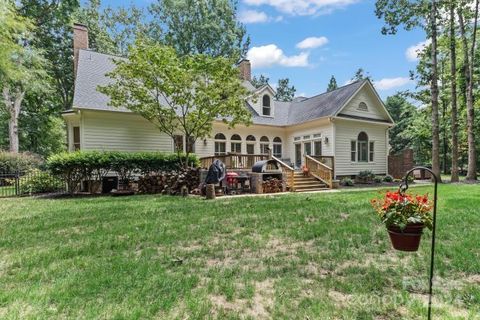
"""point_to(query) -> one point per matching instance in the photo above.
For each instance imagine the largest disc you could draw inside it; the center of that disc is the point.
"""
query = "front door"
(298, 155)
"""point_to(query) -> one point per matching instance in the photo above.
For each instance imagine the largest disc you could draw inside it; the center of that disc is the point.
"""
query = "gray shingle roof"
(93, 67)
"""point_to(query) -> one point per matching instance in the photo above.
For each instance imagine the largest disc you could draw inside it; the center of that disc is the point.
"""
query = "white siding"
(122, 132)
(375, 108)
(345, 132)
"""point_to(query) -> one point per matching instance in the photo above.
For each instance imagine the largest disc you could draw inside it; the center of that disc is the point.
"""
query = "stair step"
(311, 189)
(309, 183)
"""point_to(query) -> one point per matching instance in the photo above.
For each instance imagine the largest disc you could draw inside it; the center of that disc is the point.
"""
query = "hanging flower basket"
(405, 217)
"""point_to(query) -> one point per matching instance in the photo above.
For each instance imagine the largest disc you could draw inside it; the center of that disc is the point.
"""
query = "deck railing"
(319, 170)
(326, 160)
(288, 172)
(234, 161)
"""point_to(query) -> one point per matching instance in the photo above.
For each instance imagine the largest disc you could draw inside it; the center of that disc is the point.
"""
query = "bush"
(12, 162)
(37, 181)
(347, 182)
(79, 166)
(388, 178)
(377, 179)
(365, 176)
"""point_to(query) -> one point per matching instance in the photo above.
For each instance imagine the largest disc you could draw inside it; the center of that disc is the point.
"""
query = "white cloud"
(312, 42)
(390, 83)
(252, 16)
(303, 7)
(269, 55)
(412, 52)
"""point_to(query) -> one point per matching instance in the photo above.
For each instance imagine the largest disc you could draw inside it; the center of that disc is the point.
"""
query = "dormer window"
(267, 110)
(362, 106)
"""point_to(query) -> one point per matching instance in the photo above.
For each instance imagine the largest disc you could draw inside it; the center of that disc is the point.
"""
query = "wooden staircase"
(304, 184)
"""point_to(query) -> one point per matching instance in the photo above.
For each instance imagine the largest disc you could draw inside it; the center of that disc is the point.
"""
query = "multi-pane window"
(236, 144)
(266, 105)
(277, 147)
(371, 151)
(250, 144)
(76, 138)
(317, 146)
(353, 150)
(362, 106)
(178, 143)
(264, 145)
(362, 147)
(220, 144)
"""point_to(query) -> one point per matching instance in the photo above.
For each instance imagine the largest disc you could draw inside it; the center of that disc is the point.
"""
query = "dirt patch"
(339, 297)
(258, 308)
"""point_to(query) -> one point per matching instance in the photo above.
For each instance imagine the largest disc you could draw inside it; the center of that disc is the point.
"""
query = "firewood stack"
(272, 185)
(170, 182)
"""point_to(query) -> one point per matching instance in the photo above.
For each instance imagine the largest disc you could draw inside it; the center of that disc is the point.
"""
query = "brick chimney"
(245, 69)
(80, 41)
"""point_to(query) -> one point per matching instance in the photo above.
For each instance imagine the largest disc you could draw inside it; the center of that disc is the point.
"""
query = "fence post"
(17, 183)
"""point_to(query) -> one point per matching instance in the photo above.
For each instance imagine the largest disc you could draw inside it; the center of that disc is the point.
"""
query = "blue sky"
(344, 35)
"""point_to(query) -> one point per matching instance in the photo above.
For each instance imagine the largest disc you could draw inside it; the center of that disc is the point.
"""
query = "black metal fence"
(26, 183)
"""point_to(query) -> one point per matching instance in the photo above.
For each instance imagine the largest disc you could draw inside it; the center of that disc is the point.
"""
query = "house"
(349, 125)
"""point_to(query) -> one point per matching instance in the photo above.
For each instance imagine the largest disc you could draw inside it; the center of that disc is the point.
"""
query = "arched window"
(266, 105)
(251, 144)
(362, 106)
(236, 144)
(277, 147)
(362, 147)
(220, 144)
(264, 145)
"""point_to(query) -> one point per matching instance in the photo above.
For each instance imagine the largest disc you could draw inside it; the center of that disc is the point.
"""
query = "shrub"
(79, 166)
(377, 179)
(347, 182)
(365, 176)
(37, 181)
(388, 178)
(11, 162)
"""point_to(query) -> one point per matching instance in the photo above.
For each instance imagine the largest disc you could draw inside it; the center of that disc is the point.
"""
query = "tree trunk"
(434, 93)
(468, 62)
(13, 103)
(453, 88)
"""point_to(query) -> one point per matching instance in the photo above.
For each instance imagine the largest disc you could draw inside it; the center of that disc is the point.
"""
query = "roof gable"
(365, 104)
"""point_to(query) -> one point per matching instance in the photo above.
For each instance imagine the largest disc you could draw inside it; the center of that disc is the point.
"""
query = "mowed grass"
(298, 256)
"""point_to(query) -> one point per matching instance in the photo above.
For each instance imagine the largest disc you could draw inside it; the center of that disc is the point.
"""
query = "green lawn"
(299, 256)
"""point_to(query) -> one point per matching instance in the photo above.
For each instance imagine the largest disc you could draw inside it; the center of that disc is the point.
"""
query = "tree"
(199, 27)
(332, 85)
(453, 92)
(21, 68)
(285, 92)
(403, 113)
(360, 74)
(111, 30)
(260, 81)
(178, 94)
(469, 62)
(412, 14)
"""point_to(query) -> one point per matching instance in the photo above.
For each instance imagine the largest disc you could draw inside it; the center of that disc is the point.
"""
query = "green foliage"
(404, 114)
(347, 182)
(79, 166)
(156, 83)
(37, 181)
(12, 162)
(332, 84)
(388, 178)
(111, 30)
(259, 81)
(366, 174)
(377, 179)
(285, 92)
(360, 74)
(207, 27)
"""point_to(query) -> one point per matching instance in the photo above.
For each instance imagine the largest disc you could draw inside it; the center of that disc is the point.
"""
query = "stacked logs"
(170, 182)
(272, 185)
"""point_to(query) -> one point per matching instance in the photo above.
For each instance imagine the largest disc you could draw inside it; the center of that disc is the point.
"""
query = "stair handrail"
(288, 171)
(319, 170)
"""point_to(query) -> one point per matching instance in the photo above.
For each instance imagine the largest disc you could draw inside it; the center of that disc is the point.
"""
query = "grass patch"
(317, 256)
